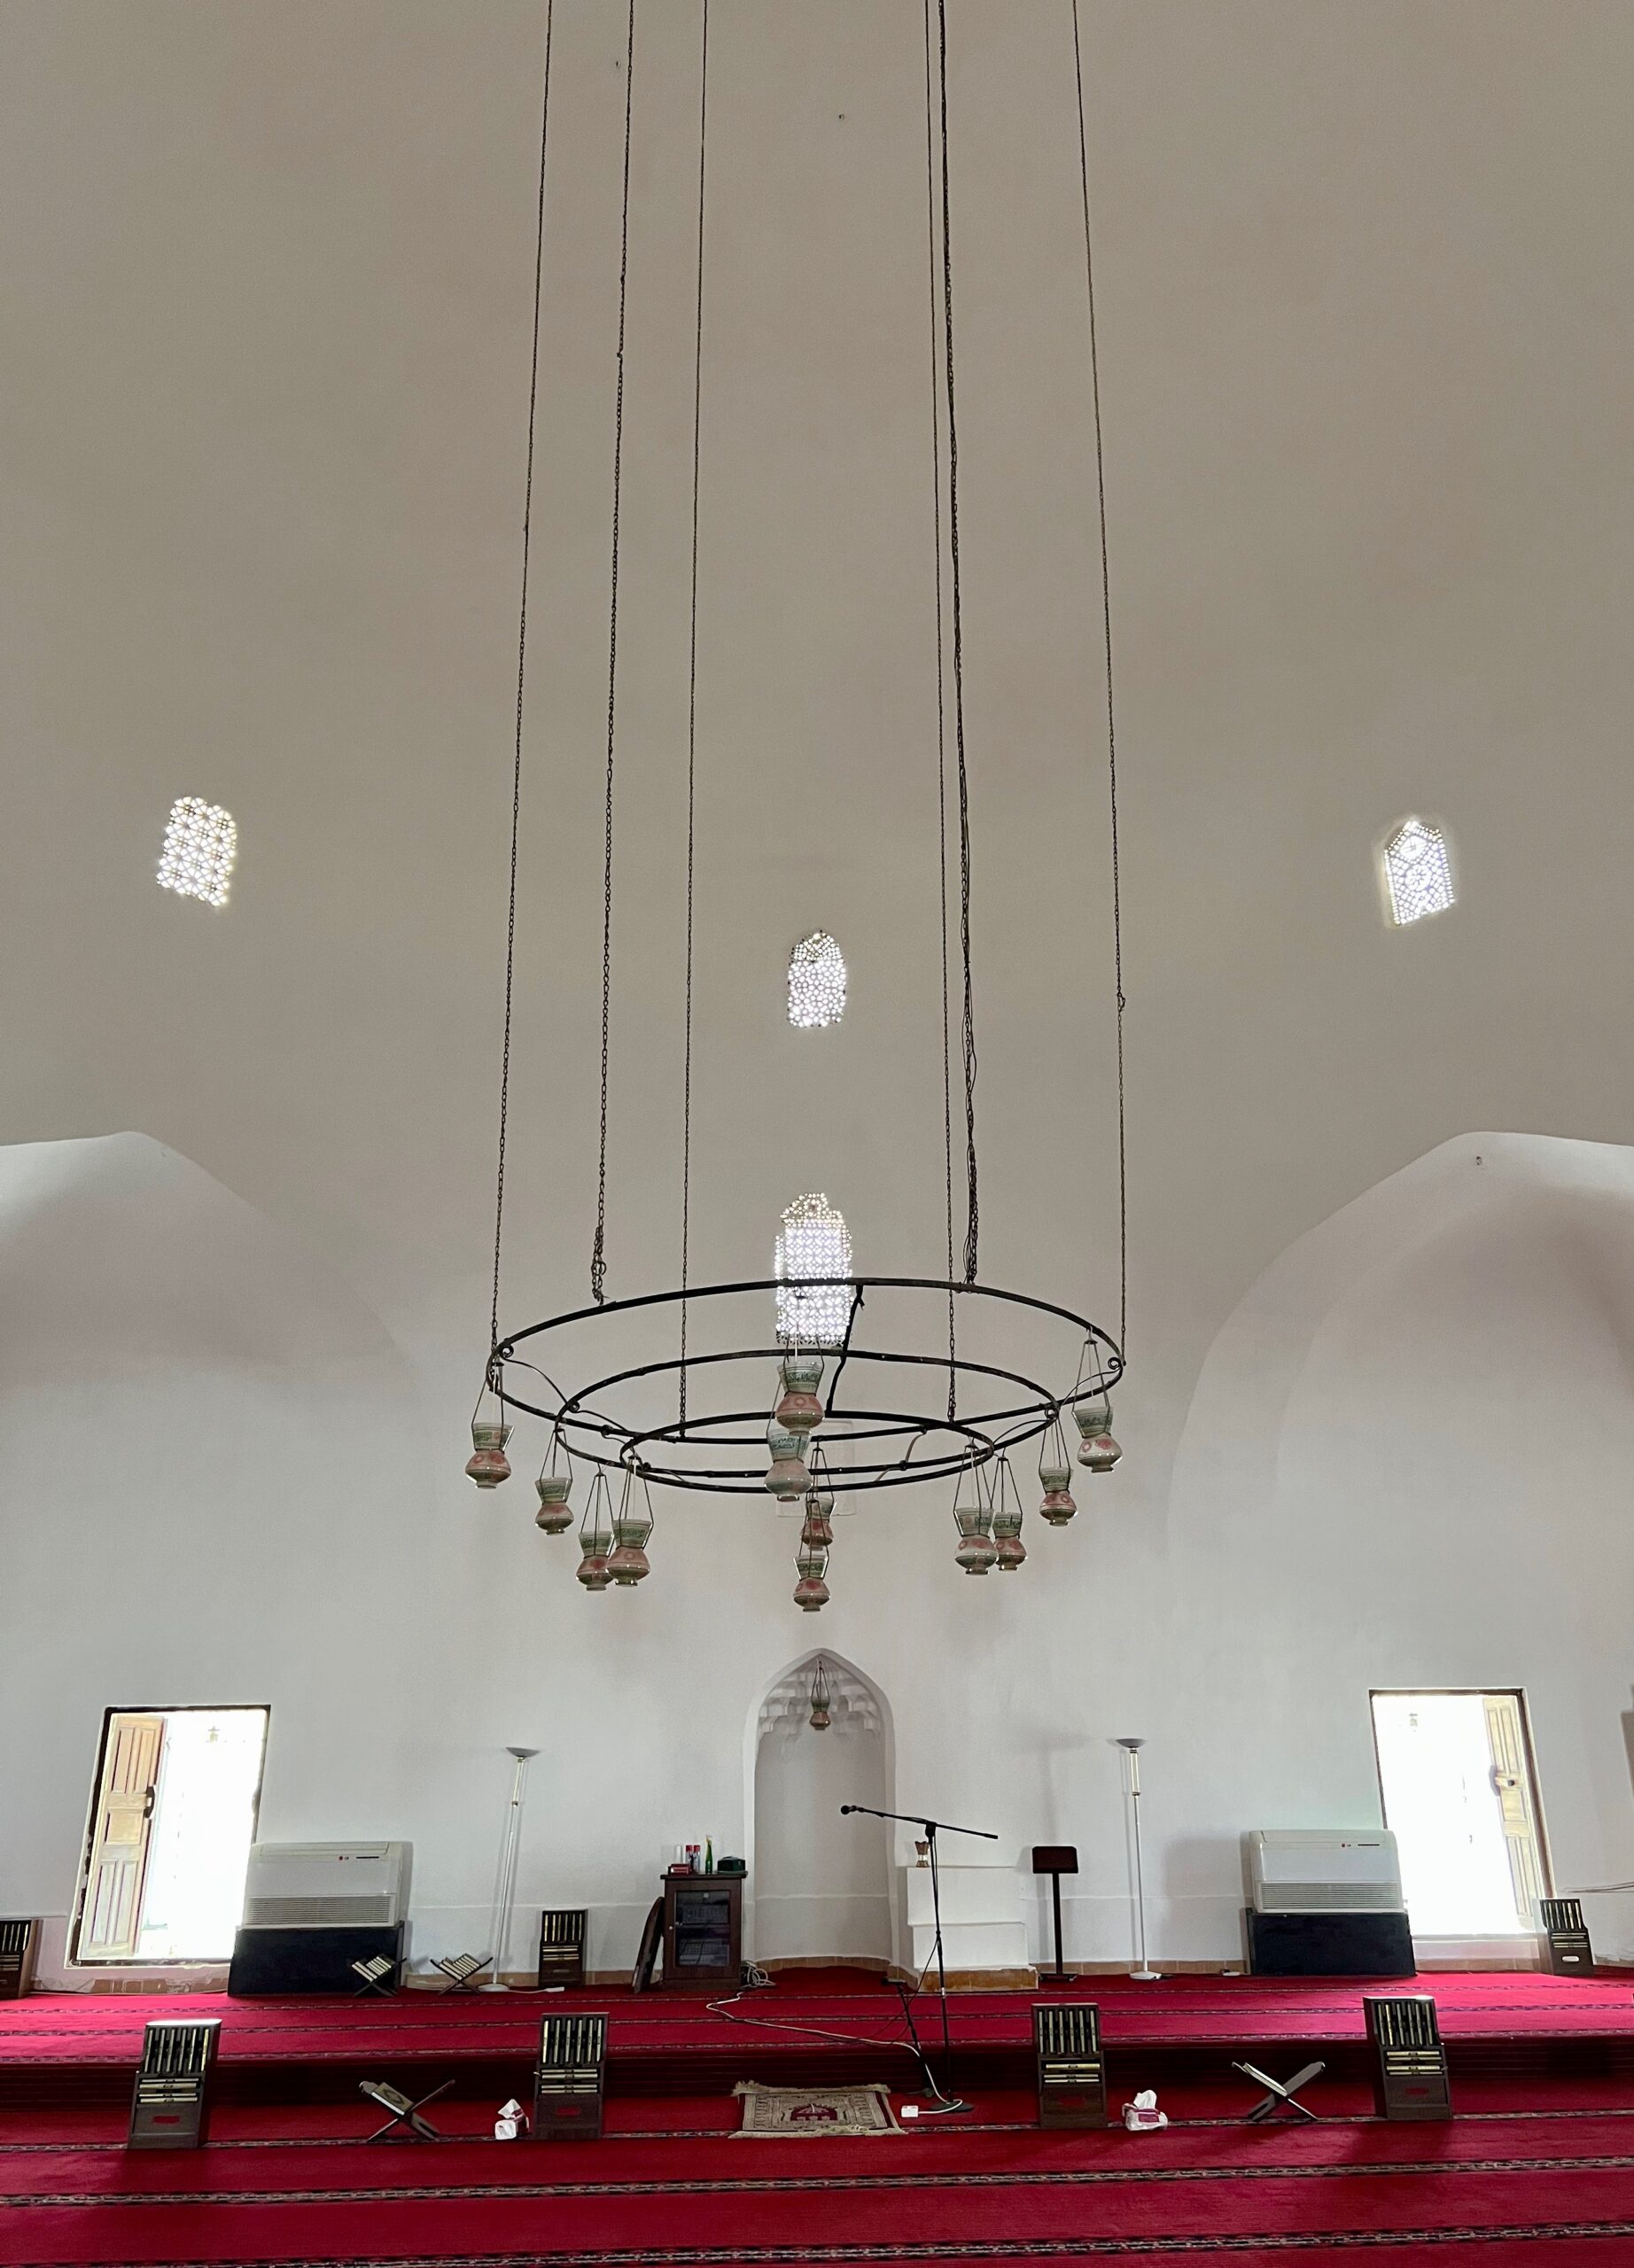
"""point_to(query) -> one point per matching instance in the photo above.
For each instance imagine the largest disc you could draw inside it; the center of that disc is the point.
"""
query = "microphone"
(845, 1807)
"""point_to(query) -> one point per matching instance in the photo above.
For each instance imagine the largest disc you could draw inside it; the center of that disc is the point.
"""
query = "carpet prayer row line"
(91, 2027)
(1002, 2191)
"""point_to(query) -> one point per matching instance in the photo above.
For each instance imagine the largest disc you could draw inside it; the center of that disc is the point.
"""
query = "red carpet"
(1561, 2185)
(106, 2028)
(252, 2126)
(1532, 2174)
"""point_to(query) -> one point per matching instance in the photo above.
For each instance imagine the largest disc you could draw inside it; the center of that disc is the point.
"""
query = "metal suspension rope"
(1119, 1001)
(941, 719)
(598, 1250)
(973, 1212)
(515, 775)
(692, 714)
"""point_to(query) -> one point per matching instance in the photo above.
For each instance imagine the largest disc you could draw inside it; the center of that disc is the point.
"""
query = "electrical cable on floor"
(942, 2104)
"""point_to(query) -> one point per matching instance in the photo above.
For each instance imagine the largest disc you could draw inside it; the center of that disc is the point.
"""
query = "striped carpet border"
(119, 2148)
(865, 2183)
(810, 2256)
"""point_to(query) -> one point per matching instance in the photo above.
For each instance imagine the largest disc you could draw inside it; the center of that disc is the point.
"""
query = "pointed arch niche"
(822, 1886)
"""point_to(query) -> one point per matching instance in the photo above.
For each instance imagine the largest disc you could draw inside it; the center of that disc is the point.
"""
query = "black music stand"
(1056, 1859)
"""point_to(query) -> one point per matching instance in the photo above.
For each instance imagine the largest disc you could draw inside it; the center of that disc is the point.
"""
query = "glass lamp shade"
(798, 1410)
(975, 1553)
(786, 1476)
(818, 1528)
(554, 1515)
(1007, 1526)
(1096, 1447)
(487, 1465)
(1056, 1476)
(596, 1539)
(811, 1565)
(627, 1562)
(592, 1570)
(821, 1716)
(973, 1518)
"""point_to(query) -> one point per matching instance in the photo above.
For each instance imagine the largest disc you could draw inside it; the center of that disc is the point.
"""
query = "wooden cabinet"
(703, 1932)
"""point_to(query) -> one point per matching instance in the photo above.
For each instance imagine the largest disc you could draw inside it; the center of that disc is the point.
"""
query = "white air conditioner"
(326, 1886)
(1323, 1870)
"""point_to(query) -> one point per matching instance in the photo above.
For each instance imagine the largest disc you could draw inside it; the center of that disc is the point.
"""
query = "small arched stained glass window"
(812, 1243)
(201, 842)
(1418, 873)
(816, 982)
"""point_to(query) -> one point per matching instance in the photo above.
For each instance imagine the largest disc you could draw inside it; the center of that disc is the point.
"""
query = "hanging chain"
(516, 774)
(941, 722)
(692, 718)
(973, 1212)
(598, 1250)
(1119, 1001)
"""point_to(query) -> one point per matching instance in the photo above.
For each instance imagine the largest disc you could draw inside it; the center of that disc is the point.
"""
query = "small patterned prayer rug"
(787, 2111)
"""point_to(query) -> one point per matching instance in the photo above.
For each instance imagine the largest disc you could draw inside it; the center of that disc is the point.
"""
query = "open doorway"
(1455, 1771)
(173, 1817)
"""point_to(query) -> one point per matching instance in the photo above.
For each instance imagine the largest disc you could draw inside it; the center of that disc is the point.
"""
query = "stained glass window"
(816, 982)
(201, 842)
(1417, 873)
(813, 1242)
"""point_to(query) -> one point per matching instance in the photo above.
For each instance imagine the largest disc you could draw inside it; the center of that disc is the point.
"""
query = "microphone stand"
(931, 1827)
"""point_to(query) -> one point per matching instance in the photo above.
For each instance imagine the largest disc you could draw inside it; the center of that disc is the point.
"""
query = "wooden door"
(111, 1917)
(1512, 1782)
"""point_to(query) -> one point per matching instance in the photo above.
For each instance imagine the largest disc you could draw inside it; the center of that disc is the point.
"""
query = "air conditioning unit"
(1322, 1870)
(327, 1885)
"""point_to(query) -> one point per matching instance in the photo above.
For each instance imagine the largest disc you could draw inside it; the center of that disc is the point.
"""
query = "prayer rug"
(785, 2112)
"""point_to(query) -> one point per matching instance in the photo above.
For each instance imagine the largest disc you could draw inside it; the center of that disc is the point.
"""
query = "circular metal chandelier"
(890, 1437)
(792, 1395)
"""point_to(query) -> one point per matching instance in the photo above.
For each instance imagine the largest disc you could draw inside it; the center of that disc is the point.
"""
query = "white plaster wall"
(212, 1464)
(214, 1467)
(1406, 1464)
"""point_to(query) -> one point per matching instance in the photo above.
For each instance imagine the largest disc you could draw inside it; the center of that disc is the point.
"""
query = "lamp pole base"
(1136, 1977)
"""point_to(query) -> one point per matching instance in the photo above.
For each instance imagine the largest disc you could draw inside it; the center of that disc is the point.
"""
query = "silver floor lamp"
(1131, 1747)
(505, 1881)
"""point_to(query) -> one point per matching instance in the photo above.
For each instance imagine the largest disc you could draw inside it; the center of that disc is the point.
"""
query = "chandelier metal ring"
(888, 1424)
(979, 1436)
